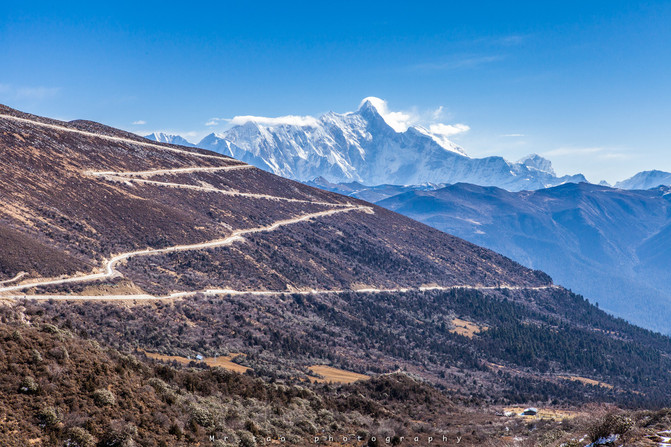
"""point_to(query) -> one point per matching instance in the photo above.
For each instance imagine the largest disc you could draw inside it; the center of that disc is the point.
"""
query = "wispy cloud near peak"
(458, 63)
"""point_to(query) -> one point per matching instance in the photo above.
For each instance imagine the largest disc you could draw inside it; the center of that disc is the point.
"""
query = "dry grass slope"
(330, 374)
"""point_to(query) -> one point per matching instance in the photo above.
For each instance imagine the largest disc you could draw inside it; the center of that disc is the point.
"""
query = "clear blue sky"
(587, 83)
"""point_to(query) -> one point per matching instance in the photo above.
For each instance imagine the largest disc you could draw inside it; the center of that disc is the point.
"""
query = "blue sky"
(587, 84)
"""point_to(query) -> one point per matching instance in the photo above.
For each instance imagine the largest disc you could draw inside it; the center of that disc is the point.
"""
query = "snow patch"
(288, 120)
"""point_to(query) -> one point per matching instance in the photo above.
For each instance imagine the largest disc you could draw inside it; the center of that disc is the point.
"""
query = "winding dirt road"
(111, 138)
(155, 172)
(109, 268)
(219, 292)
(237, 236)
(228, 192)
(14, 279)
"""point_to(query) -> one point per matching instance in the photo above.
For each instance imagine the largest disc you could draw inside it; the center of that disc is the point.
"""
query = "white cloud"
(401, 120)
(29, 92)
(457, 63)
(291, 120)
(569, 151)
(598, 153)
(448, 130)
(36, 92)
(615, 156)
(139, 123)
(189, 134)
(513, 135)
(511, 40)
(595, 162)
(437, 114)
(182, 133)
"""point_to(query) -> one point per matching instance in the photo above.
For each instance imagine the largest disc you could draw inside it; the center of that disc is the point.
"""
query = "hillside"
(154, 248)
(58, 388)
(90, 193)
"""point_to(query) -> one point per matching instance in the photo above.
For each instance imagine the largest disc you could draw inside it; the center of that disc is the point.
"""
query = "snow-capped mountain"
(167, 138)
(363, 147)
(535, 161)
(646, 180)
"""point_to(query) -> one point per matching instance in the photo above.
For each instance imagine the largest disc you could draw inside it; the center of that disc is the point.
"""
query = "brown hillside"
(88, 196)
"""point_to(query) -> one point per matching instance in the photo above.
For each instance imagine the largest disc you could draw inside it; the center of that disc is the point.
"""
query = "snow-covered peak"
(379, 105)
(646, 180)
(375, 108)
(535, 161)
(441, 139)
(373, 145)
(169, 138)
(288, 120)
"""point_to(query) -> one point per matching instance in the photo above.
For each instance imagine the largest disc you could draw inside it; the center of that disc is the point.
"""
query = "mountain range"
(168, 138)
(646, 180)
(605, 243)
(360, 154)
(362, 147)
(123, 259)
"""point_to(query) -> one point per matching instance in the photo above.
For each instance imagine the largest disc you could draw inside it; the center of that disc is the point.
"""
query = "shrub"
(79, 437)
(50, 329)
(572, 443)
(35, 356)
(551, 437)
(16, 336)
(59, 353)
(158, 385)
(307, 426)
(220, 443)
(246, 439)
(103, 397)
(176, 430)
(49, 416)
(251, 427)
(118, 434)
(202, 416)
(28, 385)
(611, 424)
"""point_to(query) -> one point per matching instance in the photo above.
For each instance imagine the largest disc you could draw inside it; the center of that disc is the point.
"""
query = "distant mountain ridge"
(646, 180)
(363, 147)
(169, 138)
(605, 243)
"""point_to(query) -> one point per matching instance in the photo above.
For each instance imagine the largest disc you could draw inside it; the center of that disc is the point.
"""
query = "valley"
(293, 224)
(124, 259)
